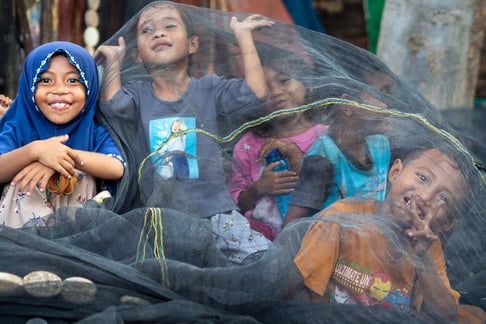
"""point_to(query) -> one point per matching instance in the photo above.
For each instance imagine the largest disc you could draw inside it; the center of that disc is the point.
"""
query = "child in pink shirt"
(252, 183)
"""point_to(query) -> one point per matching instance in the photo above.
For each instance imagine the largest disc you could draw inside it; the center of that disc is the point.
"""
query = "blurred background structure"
(28, 23)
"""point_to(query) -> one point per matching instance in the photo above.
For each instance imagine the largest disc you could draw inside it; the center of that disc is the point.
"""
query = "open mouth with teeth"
(59, 105)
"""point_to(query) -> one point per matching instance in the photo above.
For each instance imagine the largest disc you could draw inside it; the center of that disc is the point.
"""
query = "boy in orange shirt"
(363, 252)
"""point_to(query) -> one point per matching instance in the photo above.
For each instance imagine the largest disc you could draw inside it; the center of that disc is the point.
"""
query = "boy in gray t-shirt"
(187, 164)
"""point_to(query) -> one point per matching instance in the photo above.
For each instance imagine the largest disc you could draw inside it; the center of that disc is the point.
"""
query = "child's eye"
(44, 80)
(421, 177)
(444, 199)
(146, 30)
(73, 81)
(171, 26)
(284, 81)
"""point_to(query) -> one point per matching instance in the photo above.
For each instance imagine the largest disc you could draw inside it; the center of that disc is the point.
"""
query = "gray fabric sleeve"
(314, 180)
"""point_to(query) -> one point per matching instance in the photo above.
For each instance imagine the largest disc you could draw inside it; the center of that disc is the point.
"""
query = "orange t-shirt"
(347, 256)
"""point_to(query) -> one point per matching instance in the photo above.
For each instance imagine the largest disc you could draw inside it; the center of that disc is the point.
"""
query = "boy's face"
(431, 187)
(60, 95)
(162, 37)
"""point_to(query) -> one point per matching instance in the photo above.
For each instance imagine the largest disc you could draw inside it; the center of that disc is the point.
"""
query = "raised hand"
(415, 224)
(114, 56)
(249, 24)
(111, 53)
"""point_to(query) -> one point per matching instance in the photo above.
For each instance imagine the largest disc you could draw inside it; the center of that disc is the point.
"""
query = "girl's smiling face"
(430, 186)
(60, 95)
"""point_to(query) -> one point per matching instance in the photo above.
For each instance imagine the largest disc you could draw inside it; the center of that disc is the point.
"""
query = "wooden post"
(49, 21)
(15, 44)
(435, 46)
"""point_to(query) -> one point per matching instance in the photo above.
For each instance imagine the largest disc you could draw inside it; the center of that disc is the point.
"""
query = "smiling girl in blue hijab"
(51, 147)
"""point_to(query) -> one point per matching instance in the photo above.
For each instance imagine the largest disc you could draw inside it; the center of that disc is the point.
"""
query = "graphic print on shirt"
(178, 157)
(367, 288)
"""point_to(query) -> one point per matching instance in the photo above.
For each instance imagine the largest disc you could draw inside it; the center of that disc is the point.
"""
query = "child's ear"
(395, 170)
(193, 44)
(136, 55)
(449, 226)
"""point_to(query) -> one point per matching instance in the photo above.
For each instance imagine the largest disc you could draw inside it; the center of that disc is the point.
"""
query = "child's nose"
(159, 32)
(274, 89)
(60, 87)
(425, 196)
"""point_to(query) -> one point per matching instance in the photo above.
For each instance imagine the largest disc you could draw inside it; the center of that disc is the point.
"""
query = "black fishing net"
(164, 251)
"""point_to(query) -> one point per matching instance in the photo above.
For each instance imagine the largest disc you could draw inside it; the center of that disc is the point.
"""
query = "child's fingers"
(5, 101)
(423, 233)
(270, 166)
(31, 187)
(259, 20)
(99, 57)
(28, 178)
(255, 16)
(61, 138)
(121, 42)
(67, 169)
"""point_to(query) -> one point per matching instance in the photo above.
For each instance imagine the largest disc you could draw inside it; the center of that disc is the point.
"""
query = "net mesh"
(153, 256)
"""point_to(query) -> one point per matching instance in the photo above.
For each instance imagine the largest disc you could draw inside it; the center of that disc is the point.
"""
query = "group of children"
(53, 149)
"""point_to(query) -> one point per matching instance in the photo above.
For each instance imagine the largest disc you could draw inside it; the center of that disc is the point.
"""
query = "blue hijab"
(24, 122)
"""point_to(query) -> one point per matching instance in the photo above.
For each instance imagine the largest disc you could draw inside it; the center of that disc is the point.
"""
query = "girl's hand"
(35, 174)
(112, 53)
(54, 154)
(288, 149)
(249, 24)
(276, 183)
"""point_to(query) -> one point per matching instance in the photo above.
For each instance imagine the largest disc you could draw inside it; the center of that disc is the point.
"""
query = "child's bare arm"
(100, 165)
(114, 56)
(50, 152)
(294, 212)
(252, 66)
(438, 301)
